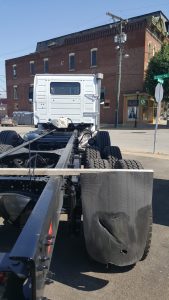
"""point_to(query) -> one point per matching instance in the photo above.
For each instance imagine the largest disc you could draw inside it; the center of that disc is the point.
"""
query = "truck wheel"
(91, 152)
(98, 163)
(102, 139)
(112, 154)
(149, 236)
(4, 148)
(10, 137)
(127, 164)
(113, 151)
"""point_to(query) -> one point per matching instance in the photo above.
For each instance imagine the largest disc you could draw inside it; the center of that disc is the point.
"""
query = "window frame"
(29, 92)
(15, 92)
(154, 50)
(71, 56)
(93, 60)
(46, 65)
(14, 71)
(103, 94)
(149, 51)
(32, 67)
(67, 87)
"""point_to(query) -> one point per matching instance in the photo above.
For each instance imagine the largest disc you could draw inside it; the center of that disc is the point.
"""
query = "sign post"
(158, 96)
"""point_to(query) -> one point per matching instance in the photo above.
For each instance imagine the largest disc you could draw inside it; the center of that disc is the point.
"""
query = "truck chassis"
(78, 174)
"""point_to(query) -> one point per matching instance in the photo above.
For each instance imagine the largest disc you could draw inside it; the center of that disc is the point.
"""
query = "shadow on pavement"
(161, 202)
(70, 262)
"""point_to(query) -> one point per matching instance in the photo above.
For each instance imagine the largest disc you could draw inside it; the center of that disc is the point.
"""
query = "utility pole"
(120, 39)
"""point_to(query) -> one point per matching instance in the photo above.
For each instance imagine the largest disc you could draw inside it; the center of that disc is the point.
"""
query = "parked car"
(7, 121)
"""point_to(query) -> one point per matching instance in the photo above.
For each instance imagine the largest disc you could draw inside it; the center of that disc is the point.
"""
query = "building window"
(65, 88)
(30, 95)
(46, 65)
(32, 67)
(16, 106)
(106, 104)
(93, 53)
(71, 61)
(149, 51)
(154, 50)
(102, 94)
(14, 71)
(15, 92)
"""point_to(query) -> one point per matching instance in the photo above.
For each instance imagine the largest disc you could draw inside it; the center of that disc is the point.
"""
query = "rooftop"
(59, 41)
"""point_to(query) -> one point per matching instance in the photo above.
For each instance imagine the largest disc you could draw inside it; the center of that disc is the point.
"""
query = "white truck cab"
(61, 99)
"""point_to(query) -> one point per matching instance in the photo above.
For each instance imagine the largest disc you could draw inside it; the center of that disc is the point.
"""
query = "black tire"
(149, 236)
(112, 151)
(102, 139)
(91, 152)
(112, 154)
(92, 141)
(10, 137)
(4, 148)
(128, 164)
(98, 163)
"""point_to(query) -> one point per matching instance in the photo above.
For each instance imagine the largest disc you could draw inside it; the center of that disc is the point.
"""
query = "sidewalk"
(141, 141)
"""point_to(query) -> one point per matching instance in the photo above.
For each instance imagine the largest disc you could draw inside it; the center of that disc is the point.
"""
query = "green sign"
(160, 80)
(143, 102)
(162, 76)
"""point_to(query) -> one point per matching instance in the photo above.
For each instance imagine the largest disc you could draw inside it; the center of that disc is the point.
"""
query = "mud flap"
(12, 205)
(116, 215)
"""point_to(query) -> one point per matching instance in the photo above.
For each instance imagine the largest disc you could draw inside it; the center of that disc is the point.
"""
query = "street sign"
(161, 76)
(159, 92)
(160, 80)
(159, 96)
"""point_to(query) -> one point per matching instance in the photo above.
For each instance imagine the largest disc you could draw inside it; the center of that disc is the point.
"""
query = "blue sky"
(25, 22)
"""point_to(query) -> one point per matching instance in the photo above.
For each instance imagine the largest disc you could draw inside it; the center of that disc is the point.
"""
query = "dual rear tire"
(10, 137)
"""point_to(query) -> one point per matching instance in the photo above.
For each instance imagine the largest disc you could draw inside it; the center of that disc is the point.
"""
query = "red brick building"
(92, 51)
(3, 107)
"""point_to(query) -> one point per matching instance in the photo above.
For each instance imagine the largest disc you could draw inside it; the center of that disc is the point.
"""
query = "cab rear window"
(65, 88)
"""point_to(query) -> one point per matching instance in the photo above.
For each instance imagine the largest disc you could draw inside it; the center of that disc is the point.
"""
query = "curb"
(147, 154)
